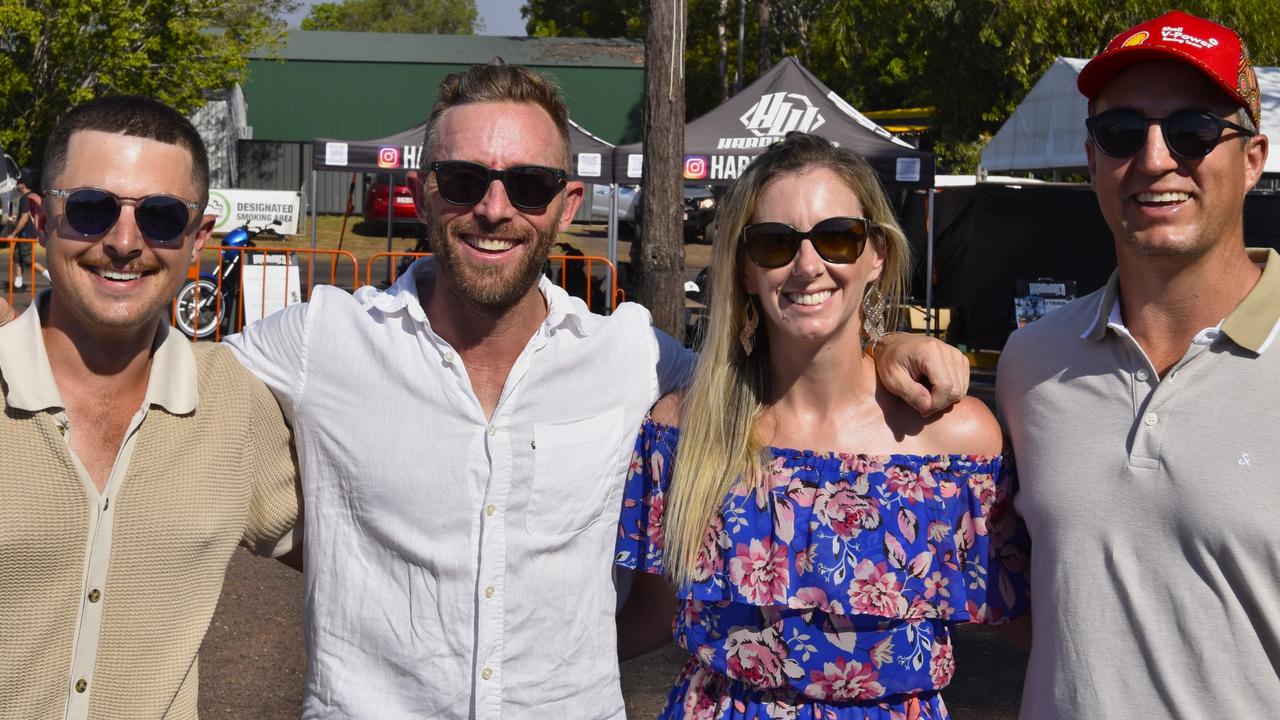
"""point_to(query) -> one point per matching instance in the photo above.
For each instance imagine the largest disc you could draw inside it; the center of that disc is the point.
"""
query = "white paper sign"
(589, 164)
(259, 208)
(335, 153)
(271, 283)
(635, 166)
(908, 170)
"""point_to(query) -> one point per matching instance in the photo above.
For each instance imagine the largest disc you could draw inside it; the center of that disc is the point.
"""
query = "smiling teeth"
(116, 275)
(490, 244)
(809, 298)
(1150, 197)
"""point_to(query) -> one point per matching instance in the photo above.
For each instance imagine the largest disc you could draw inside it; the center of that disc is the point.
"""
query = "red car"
(375, 203)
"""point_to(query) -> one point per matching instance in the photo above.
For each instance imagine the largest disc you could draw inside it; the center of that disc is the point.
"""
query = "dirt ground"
(253, 662)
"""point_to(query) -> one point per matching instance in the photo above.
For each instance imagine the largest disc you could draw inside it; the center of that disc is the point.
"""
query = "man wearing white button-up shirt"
(462, 438)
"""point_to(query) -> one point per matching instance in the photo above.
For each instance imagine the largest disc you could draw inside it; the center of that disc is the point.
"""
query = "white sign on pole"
(259, 208)
(335, 153)
(589, 164)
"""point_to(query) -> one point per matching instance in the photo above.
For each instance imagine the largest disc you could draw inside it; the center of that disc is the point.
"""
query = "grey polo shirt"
(1154, 512)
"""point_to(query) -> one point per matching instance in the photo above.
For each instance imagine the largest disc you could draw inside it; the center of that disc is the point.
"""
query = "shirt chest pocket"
(573, 471)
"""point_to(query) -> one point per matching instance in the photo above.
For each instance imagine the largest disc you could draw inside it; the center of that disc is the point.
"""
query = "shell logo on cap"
(1136, 39)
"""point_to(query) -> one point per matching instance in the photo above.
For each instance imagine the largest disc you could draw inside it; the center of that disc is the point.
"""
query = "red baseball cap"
(1211, 48)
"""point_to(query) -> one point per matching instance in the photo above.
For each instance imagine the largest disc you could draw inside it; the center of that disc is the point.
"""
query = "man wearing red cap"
(1144, 415)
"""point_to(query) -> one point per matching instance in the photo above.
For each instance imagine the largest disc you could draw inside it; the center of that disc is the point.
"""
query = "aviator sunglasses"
(837, 240)
(1189, 134)
(529, 187)
(92, 211)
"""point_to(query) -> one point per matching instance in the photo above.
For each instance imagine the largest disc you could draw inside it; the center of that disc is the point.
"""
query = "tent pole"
(928, 266)
(391, 203)
(311, 257)
(613, 227)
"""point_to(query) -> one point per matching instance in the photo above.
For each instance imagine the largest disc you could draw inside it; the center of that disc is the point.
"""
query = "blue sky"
(501, 17)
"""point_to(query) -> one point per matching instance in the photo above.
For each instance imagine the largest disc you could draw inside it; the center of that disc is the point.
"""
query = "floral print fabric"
(832, 592)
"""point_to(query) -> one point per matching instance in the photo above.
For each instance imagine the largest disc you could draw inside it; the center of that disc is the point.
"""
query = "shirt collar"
(24, 364)
(563, 310)
(1254, 324)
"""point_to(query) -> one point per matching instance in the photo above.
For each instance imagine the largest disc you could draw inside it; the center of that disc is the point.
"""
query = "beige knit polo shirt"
(105, 597)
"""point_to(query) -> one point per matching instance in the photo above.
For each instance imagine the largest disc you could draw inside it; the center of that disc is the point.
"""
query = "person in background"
(822, 537)
(24, 229)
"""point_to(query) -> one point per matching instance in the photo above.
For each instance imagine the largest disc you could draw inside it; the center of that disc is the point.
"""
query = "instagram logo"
(695, 167)
(388, 156)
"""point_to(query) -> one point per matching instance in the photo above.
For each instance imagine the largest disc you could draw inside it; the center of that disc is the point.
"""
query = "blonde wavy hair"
(718, 444)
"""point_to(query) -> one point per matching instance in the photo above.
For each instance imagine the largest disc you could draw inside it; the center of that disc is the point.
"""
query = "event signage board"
(259, 208)
(722, 143)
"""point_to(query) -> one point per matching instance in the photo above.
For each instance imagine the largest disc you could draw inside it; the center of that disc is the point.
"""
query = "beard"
(487, 285)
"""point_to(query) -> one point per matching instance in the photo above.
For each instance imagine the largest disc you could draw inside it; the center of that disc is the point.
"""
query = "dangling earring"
(873, 308)
(750, 321)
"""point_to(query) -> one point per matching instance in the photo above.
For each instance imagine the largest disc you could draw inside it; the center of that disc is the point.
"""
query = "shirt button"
(81, 685)
(489, 591)
(94, 595)
(1141, 375)
(493, 430)
(448, 358)
(1151, 419)
(485, 673)
(490, 510)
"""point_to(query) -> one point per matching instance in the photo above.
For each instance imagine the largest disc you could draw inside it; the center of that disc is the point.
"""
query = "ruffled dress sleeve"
(1000, 589)
(640, 524)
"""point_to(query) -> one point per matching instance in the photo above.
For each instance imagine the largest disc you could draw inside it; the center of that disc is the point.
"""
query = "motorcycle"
(210, 301)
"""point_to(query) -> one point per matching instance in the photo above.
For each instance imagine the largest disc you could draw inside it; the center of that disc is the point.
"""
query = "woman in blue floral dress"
(823, 538)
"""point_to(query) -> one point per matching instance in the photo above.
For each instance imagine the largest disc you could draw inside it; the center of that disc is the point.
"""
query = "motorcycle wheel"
(200, 320)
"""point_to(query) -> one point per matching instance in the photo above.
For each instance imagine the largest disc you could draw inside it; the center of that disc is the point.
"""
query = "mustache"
(504, 230)
(133, 267)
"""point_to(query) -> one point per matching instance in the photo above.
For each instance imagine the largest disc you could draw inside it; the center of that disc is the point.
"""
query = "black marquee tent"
(720, 144)
(400, 152)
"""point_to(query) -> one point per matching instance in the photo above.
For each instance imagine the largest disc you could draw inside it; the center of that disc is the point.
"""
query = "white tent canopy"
(1046, 131)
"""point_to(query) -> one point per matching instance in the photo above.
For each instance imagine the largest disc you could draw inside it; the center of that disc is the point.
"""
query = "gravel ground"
(252, 664)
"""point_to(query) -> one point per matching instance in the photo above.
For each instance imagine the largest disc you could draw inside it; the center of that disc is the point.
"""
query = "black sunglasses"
(92, 211)
(529, 187)
(1189, 134)
(837, 240)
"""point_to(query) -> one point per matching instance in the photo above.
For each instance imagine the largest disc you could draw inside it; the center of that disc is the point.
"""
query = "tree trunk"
(766, 59)
(722, 47)
(660, 285)
(742, 44)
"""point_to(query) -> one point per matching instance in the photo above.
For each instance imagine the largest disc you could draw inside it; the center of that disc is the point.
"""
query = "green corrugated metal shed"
(367, 85)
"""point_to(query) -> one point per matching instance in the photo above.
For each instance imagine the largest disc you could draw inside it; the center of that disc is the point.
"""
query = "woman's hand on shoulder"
(969, 427)
(667, 410)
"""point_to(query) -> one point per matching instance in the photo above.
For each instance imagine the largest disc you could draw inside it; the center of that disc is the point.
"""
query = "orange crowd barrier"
(244, 284)
(594, 279)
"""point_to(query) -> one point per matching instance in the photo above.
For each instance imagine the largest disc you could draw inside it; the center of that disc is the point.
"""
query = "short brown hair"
(498, 82)
(132, 115)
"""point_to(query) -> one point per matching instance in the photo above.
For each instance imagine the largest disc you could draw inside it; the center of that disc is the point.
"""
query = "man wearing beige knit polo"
(132, 462)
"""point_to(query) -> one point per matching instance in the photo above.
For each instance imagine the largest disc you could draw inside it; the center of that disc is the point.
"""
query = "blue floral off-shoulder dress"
(832, 595)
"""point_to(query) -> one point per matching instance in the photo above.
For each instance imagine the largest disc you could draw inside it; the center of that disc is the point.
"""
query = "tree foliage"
(971, 60)
(57, 53)
(444, 17)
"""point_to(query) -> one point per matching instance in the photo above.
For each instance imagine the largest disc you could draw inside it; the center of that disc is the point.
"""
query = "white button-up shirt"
(459, 566)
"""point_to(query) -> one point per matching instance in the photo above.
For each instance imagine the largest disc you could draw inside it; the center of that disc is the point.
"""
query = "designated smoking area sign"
(259, 208)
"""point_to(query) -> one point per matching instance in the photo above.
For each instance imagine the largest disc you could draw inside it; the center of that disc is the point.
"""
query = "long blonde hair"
(718, 443)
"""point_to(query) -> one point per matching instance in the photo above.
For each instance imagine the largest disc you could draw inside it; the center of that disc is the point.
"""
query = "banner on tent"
(259, 208)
